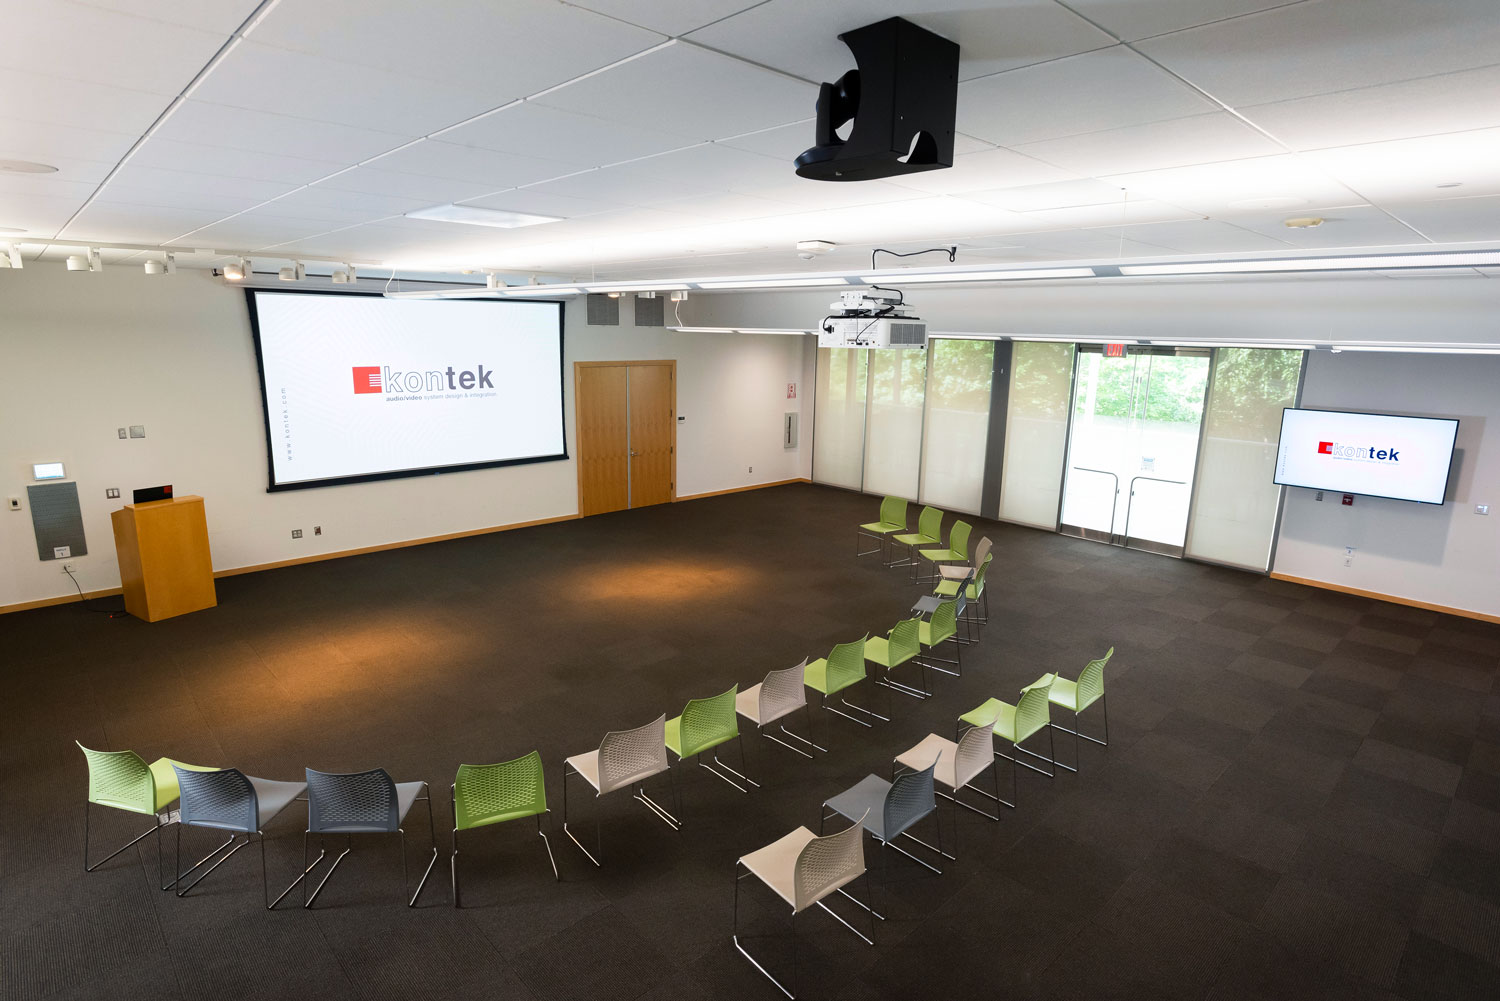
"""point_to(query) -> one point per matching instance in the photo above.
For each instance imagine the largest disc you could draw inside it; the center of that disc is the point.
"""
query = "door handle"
(634, 453)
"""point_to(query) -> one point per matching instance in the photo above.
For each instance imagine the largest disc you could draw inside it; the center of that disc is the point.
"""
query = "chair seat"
(165, 780)
(273, 796)
(942, 555)
(949, 589)
(924, 635)
(586, 765)
(1003, 713)
(951, 572)
(923, 754)
(866, 798)
(816, 675)
(927, 604)
(916, 539)
(878, 651)
(747, 704)
(882, 527)
(674, 736)
(1064, 693)
(776, 863)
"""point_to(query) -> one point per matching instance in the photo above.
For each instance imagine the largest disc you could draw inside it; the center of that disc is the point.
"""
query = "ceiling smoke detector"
(26, 167)
(1304, 222)
(808, 249)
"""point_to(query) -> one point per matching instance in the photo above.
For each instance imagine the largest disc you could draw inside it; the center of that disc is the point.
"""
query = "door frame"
(578, 366)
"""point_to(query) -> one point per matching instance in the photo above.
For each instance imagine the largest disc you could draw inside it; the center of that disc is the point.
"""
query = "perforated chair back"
(120, 779)
(930, 523)
(846, 665)
(707, 722)
(783, 691)
(825, 864)
(958, 538)
(1091, 680)
(978, 586)
(893, 512)
(489, 794)
(975, 753)
(224, 799)
(352, 803)
(905, 640)
(982, 551)
(911, 797)
(944, 622)
(627, 756)
(1031, 709)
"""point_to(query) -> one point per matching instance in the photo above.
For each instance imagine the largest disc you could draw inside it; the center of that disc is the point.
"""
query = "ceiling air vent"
(649, 312)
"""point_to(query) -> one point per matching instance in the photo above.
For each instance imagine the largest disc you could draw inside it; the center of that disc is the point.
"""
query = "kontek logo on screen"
(1364, 453)
(384, 379)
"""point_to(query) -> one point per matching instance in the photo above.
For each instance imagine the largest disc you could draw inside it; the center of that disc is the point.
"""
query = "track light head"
(295, 273)
(85, 262)
(10, 256)
(238, 271)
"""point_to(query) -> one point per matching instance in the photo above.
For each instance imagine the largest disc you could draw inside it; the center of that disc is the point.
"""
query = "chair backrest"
(984, 568)
(351, 803)
(846, 664)
(1091, 679)
(223, 798)
(976, 751)
(1031, 709)
(893, 511)
(783, 691)
(944, 620)
(488, 794)
(706, 722)
(120, 779)
(910, 798)
(982, 551)
(958, 538)
(930, 523)
(627, 756)
(905, 640)
(825, 864)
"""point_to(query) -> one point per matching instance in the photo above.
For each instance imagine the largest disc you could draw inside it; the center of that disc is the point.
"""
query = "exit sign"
(1114, 351)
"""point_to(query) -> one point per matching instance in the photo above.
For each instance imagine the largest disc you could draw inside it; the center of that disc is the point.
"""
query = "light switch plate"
(1481, 509)
(137, 430)
(123, 433)
(112, 492)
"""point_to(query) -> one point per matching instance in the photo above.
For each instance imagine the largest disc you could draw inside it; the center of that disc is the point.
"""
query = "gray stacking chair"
(802, 869)
(781, 694)
(890, 810)
(362, 803)
(625, 759)
(229, 800)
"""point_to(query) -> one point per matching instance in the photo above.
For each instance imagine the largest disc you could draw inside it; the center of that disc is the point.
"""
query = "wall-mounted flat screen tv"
(1377, 455)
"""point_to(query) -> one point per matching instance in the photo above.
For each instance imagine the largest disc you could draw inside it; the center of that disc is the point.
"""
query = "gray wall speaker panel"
(603, 311)
(650, 312)
(56, 518)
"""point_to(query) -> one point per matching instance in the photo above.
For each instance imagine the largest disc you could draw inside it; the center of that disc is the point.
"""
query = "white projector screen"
(1377, 455)
(359, 387)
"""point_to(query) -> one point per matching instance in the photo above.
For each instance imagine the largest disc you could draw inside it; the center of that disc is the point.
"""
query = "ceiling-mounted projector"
(871, 318)
(902, 99)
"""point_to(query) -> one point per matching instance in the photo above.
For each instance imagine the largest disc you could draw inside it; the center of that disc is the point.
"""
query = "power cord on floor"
(88, 605)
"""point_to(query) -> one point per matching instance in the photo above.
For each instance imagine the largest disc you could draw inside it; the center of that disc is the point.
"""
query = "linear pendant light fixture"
(1385, 262)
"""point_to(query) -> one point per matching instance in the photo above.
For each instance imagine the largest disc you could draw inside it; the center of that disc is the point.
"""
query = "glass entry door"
(1133, 445)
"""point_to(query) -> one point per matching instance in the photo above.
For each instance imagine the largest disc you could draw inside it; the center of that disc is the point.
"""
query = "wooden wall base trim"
(740, 490)
(1395, 598)
(61, 599)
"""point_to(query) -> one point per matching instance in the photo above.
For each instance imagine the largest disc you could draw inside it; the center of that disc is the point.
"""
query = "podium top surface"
(166, 502)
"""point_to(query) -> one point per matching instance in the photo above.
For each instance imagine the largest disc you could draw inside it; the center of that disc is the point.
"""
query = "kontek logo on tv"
(382, 379)
(1366, 452)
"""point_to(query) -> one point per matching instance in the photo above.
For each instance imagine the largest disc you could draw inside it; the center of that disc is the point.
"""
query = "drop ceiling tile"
(223, 16)
(1110, 88)
(532, 129)
(254, 231)
(56, 100)
(263, 78)
(1329, 45)
(30, 140)
(727, 208)
(1055, 195)
(37, 215)
(1345, 226)
(493, 169)
(396, 184)
(135, 175)
(1214, 188)
(501, 50)
(1137, 19)
(167, 154)
(1412, 169)
(1453, 102)
(45, 186)
(718, 166)
(264, 132)
(813, 195)
(342, 207)
(1453, 220)
(539, 202)
(668, 17)
(625, 185)
(104, 47)
(986, 171)
(993, 35)
(221, 199)
(689, 91)
(1103, 216)
(68, 169)
(104, 220)
(784, 142)
(1175, 143)
(1203, 236)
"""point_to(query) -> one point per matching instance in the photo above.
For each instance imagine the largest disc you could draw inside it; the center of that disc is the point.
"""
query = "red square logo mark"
(1324, 447)
(367, 379)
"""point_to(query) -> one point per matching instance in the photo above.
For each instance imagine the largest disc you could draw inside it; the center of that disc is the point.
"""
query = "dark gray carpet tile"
(1366, 883)
(1211, 876)
(1432, 970)
(1307, 727)
(1342, 689)
(1319, 924)
(1392, 798)
(1405, 765)
(1472, 824)
(1472, 868)
(1462, 921)
(1416, 736)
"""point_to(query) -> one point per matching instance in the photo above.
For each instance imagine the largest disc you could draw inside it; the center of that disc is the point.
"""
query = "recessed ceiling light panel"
(472, 215)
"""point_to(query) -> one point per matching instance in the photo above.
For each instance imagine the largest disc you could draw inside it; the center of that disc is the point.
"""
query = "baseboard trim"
(61, 599)
(1467, 613)
(740, 490)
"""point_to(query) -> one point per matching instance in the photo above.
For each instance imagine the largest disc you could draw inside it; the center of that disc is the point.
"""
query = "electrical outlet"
(70, 568)
(1348, 561)
(14, 503)
(317, 529)
(296, 533)
(124, 433)
(112, 492)
(749, 469)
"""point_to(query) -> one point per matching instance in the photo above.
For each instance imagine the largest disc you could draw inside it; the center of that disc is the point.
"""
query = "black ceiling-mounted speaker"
(902, 99)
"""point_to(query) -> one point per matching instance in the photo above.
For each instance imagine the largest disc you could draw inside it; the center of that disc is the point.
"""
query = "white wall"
(84, 354)
(1444, 554)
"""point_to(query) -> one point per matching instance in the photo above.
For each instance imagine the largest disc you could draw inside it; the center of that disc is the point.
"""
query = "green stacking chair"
(122, 780)
(941, 628)
(842, 668)
(1076, 696)
(957, 550)
(897, 647)
(973, 590)
(703, 726)
(929, 533)
(482, 795)
(1016, 723)
(892, 519)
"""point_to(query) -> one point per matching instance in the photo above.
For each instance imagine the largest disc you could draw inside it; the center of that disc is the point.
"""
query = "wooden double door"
(627, 434)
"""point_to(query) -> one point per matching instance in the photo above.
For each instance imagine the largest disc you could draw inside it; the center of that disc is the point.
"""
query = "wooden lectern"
(165, 566)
